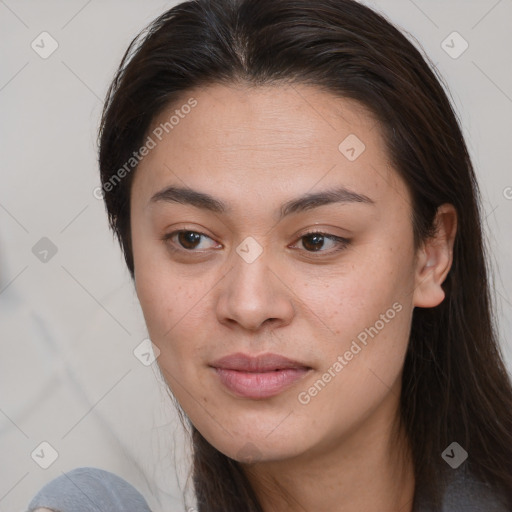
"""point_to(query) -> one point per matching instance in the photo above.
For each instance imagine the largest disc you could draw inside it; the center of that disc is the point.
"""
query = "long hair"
(455, 385)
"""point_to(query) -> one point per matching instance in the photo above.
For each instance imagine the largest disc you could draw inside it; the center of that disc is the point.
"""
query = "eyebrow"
(184, 195)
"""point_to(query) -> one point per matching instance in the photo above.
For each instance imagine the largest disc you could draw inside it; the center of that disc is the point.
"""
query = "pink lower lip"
(259, 385)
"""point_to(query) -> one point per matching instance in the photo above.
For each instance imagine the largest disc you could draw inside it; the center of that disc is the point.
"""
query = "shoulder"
(81, 488)
(466, 493)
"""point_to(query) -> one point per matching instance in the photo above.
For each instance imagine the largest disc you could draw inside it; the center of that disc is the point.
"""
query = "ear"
(434, 259)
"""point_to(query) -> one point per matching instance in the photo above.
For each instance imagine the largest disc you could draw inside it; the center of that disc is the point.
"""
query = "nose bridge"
(250, 280)
(251, 293)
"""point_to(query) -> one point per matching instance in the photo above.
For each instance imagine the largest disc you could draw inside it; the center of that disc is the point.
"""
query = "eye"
(186, 240)
(315, 241)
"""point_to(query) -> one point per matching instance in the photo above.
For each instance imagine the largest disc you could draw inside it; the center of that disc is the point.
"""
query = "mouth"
(258, 377)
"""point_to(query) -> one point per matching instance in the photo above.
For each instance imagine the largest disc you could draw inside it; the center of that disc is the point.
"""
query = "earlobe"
(435, 258)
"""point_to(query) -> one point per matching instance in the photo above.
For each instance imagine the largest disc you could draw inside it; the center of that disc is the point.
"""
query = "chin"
(257, 447)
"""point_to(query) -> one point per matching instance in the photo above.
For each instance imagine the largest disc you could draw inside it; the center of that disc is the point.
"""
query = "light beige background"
(68, 375)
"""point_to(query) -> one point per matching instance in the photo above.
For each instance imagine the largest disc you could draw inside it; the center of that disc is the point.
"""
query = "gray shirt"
(89, 490)
(96, 490)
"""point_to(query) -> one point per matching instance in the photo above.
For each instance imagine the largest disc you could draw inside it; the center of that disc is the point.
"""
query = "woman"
(299, 213)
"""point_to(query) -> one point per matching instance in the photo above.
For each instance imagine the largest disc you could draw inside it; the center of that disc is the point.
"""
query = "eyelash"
(343, 243)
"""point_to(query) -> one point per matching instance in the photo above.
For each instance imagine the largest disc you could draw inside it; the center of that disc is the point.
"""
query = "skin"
(255, 149)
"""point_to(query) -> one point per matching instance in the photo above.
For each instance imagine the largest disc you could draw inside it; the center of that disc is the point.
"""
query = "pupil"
(317, 241)
(189, 237)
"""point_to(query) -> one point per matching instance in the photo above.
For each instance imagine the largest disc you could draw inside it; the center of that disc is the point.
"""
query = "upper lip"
(261, 363)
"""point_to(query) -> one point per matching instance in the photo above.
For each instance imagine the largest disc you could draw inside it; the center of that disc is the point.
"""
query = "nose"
(255, 294)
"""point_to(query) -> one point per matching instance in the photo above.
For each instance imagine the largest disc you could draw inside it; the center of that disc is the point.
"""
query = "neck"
(369, 469)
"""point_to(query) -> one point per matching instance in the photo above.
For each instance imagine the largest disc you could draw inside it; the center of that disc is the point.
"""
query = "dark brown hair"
(455, 386)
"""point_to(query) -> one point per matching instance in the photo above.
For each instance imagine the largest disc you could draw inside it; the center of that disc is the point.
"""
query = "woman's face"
(237, 173)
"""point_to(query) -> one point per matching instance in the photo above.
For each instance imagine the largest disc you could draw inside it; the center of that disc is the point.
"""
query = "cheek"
(367, 311)
(348, 299)
(176, 312)
(171, 315)
(362, 356)
(160, 294)
(169, 305)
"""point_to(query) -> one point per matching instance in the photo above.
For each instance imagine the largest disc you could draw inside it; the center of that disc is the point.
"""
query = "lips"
(264, 363)
(258, 377)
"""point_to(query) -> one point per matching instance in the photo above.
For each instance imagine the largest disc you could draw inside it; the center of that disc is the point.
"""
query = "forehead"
(249, 136)
(278, 117)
